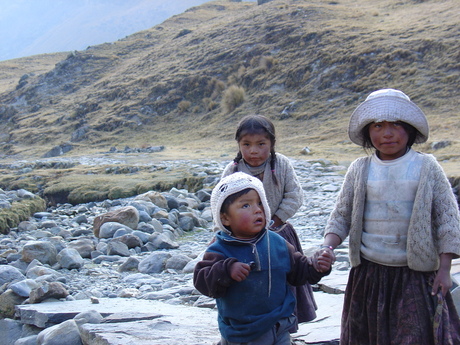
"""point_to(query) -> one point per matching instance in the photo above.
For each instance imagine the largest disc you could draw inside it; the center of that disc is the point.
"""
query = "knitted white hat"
(232, 184)
(387, 105)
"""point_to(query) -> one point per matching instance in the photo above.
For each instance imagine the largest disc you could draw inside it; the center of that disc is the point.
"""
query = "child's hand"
(323, 260)
(239, 271)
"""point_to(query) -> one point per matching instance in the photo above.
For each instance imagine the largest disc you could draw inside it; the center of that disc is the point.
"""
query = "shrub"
(184, 106)
(233, 97)
(267, 62)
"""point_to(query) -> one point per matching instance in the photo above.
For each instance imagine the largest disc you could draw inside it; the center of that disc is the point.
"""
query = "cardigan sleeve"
(292, 190)
(445, 214)
(340, 219)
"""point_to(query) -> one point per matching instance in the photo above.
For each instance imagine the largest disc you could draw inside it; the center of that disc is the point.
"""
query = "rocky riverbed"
(120, 271)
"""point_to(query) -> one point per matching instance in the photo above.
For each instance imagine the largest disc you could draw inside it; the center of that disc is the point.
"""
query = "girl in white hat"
(402, 219)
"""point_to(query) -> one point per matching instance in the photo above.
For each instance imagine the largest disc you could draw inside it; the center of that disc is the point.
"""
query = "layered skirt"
(393, 306)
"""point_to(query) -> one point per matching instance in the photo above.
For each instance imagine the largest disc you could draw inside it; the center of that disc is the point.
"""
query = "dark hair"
(410, 130)
(231, 199)
(257, 124)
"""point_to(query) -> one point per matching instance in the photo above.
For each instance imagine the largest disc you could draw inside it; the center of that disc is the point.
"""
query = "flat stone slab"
(147, 322)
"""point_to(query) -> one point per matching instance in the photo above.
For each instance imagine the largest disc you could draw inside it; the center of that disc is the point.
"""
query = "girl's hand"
(239, 271)
(323, 259)
(443, 280)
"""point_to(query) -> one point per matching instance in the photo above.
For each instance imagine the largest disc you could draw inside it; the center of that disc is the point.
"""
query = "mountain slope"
(305, 64)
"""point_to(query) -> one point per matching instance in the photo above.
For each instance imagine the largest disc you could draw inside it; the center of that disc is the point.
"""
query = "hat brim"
(387, 108)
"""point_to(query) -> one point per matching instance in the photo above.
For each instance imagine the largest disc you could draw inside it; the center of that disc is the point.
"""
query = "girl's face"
(255, 148)
(245, 216)
(389, 139)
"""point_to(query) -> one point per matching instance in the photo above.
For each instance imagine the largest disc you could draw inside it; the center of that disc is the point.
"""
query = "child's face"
(255, 148)
(389, 138)
(245, 217)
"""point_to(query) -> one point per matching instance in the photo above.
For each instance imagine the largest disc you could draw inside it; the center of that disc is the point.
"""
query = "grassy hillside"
(304, 64)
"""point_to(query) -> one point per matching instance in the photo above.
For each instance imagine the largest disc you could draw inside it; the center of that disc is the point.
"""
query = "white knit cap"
(232, 184)
(387, 105)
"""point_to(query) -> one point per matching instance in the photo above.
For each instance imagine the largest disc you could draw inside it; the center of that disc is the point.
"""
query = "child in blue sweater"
(248, 268)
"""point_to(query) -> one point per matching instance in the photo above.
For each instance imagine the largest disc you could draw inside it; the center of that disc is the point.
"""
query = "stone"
(128, 216)
(115, 247)
(154, 263)
(65, 333)
(9, 274)
(108, 229)
(10, 331)
(24, 287)
(48, 290)
(8, 301)
(43, 251)
(154, 197)
(131, 264)
(84, 246)
(177, 262)
(70, 258)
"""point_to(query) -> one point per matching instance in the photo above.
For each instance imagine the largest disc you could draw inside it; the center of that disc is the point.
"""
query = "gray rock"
(177, 262)
(89, 316)
(107, 230)
(42, 251)
(24, 287)
(70, 258)
(131, 264)
(29, 340)
(9, 274)
(116, 247)
(10, 331)
(84, 246)
(48, 290)
(64, 333)
(154, 263)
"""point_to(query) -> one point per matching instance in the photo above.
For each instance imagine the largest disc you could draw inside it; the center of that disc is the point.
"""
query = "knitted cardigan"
(434, 226)
(285, 198)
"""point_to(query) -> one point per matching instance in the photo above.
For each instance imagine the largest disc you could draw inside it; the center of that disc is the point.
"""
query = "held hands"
(239, 271)
(323, 259)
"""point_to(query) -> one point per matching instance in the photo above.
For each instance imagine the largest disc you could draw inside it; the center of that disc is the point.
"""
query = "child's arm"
(443, 280)
(214, 274)
(303, 270)
(292, 190)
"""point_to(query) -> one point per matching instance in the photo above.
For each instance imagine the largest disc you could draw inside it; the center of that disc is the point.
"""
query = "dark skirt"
(305, 309)
(393, 306)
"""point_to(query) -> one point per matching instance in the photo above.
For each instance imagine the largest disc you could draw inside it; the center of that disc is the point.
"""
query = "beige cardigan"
(435, 222)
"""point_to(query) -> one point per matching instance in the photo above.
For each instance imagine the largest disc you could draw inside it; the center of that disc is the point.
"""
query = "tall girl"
(402, 219)
(256, 156)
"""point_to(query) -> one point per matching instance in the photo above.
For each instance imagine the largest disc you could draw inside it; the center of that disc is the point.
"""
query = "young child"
(248, 269)
(256, 156)
(402, 219)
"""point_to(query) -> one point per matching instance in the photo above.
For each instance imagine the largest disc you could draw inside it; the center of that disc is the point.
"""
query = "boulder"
(128, 216)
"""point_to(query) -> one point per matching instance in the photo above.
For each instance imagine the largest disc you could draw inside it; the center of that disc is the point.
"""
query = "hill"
(185, 83)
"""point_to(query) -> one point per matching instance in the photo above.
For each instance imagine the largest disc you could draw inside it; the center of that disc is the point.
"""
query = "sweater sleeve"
(292, 190)
(211, 275)
(228, 170)
(339, 221)
(302, 270)
(445, 214)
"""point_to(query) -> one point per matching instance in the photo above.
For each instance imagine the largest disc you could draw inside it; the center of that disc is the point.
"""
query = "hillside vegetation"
(185, 83)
